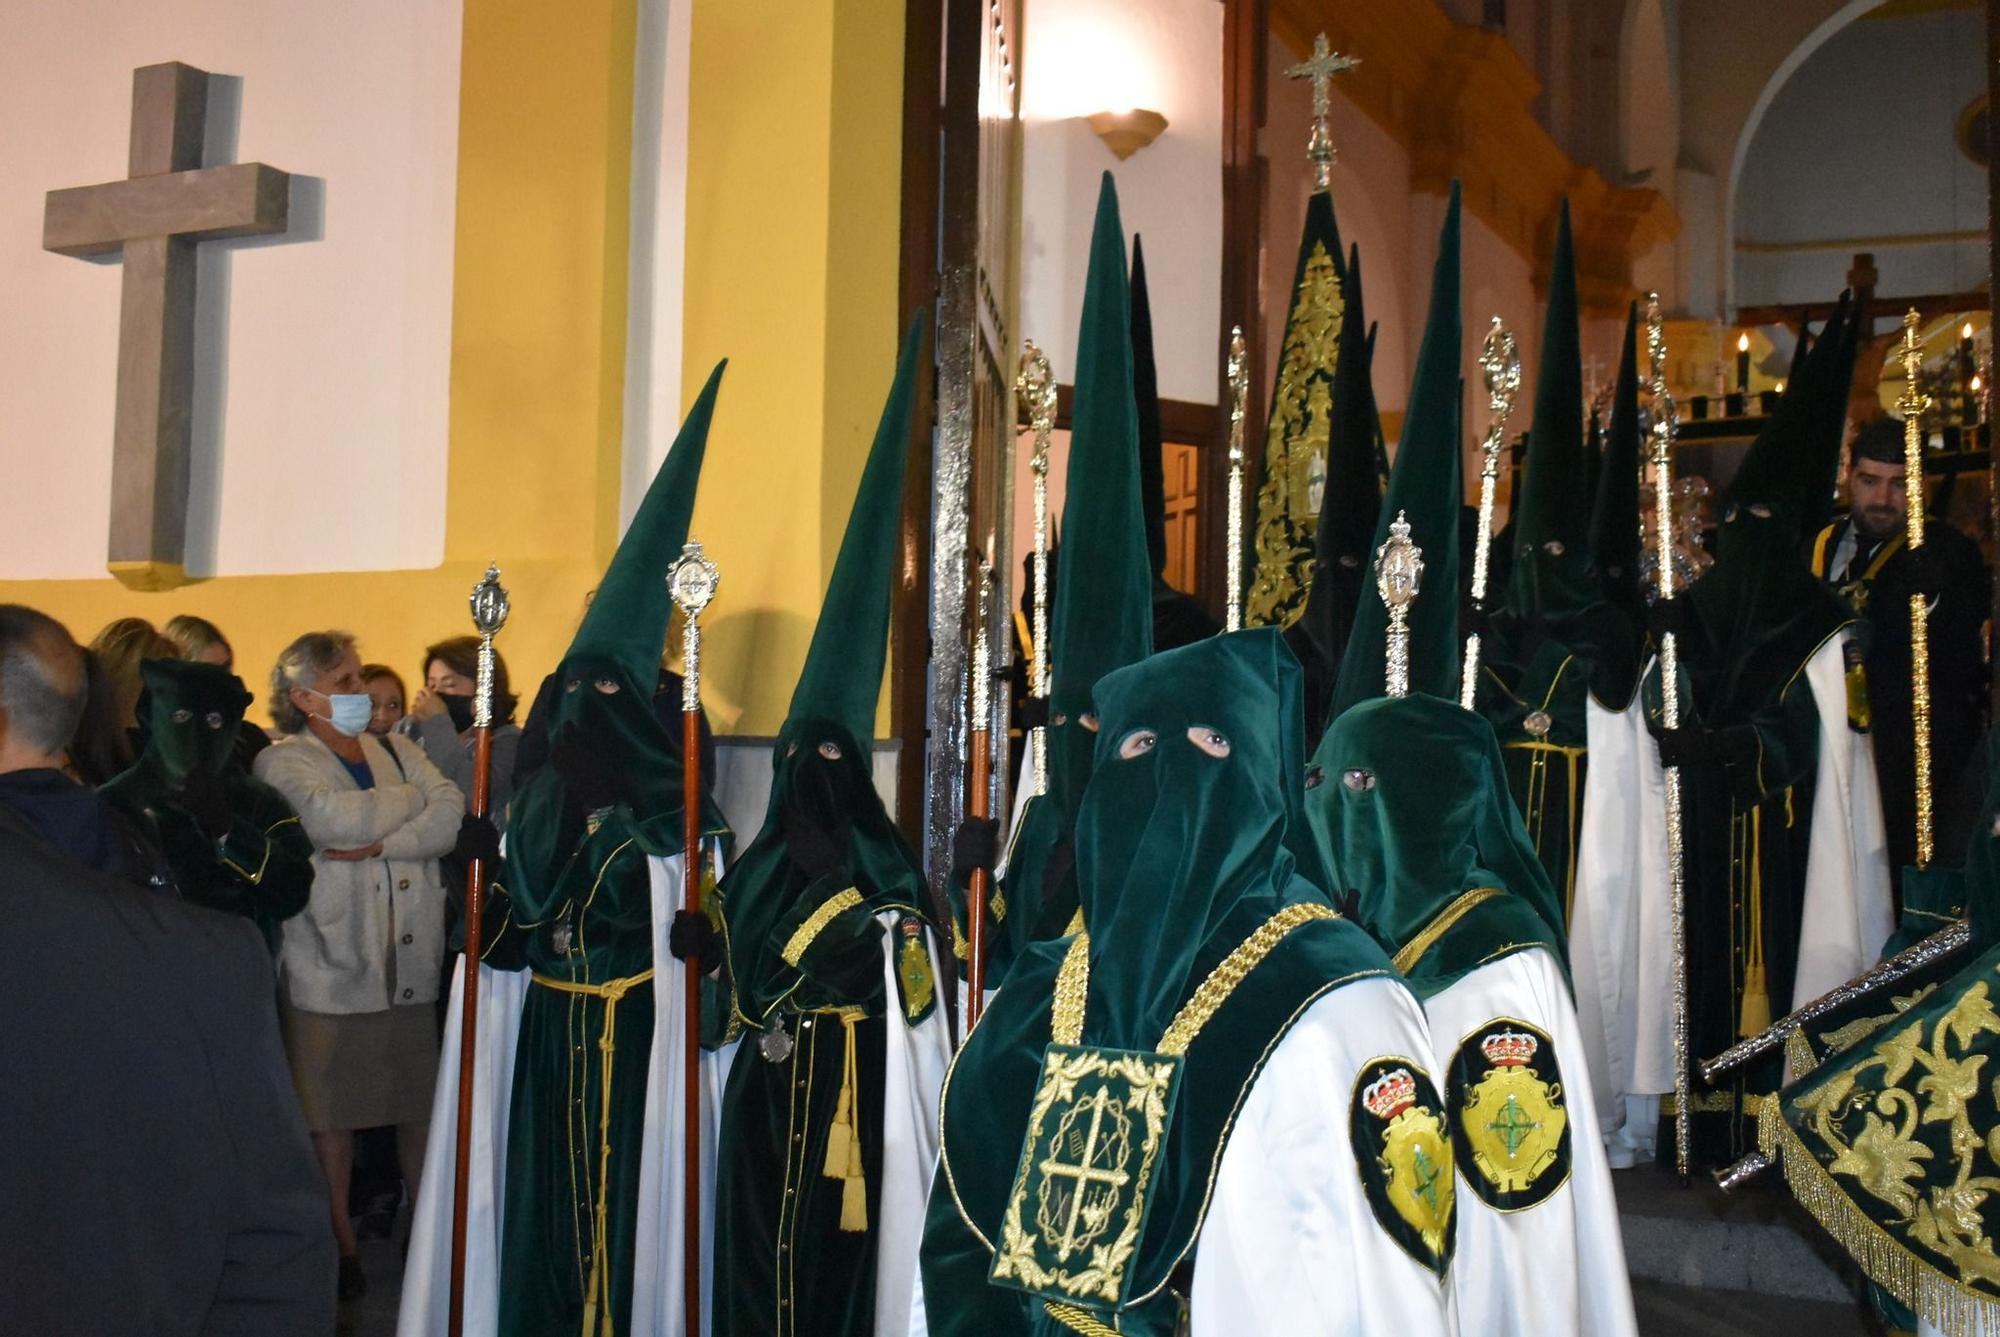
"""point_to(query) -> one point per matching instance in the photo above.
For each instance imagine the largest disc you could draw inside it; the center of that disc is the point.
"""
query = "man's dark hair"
(1880, 441)
(42, 684)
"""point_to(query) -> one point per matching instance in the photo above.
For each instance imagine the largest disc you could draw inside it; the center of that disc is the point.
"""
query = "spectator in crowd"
(202, 642)
(44, 683)
(441, 718)
(386, 690)
(157, 1177)
(358, 969)
(119, 647)
(199, 641)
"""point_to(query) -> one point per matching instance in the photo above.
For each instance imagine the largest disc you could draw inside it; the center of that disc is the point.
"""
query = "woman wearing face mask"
(358, 970)
(441, 719)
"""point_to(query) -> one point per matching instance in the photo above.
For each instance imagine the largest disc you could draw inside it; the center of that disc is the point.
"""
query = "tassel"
(845, 1138)
(1756, 1013)
(854, 1206)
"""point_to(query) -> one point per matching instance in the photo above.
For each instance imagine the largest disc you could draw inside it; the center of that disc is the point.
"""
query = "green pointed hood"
(189, 713)
(1829, 424)
(627, 618)
(1782, 470)
(1413, 813)
(1350, 511)
(821, 766)
(1146, 394)
(1553, 506)
(1102, 617)
(1614, 519)
(1425, 486)
(842, 677)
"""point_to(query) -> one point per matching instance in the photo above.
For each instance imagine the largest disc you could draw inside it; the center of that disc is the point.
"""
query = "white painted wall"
(657, 265)
(1083, 56)
(323, 357)
(1859, 142)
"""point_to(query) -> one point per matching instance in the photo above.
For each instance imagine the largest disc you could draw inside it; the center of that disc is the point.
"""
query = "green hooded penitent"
(232, 841)
(1614, 523)
(1186, 845)
(1177, 618)
(1755, 620)
(1425, 489)
(1102, 614)
(1887, 1138)
(1541, 652)
(1343, 548)
(798, 1175)
(576, 908)
(1292, 474)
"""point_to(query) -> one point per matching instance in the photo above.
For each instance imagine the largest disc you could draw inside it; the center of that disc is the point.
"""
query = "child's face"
(388, 705)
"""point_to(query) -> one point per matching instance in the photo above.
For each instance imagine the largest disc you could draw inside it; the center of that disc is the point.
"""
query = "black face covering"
(459, 707)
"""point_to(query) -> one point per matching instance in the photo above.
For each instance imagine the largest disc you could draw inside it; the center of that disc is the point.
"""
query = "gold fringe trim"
(815, 924)
(1799, 1057)
(1413, 950)
(1951, 1307)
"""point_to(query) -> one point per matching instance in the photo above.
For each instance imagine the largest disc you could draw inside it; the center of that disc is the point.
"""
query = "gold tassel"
(1756, 1002)
(1754, 1017)
(843, 1142)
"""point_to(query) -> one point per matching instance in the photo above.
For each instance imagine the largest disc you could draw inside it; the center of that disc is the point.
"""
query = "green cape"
(1424, 486)
(1183, 856)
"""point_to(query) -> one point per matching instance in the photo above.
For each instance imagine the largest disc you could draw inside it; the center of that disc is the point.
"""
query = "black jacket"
(155, 1175)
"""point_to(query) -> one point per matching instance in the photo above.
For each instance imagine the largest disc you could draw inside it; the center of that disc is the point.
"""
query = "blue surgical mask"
(349, 712)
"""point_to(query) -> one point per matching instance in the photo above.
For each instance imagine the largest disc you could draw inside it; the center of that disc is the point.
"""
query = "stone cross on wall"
(168, 202)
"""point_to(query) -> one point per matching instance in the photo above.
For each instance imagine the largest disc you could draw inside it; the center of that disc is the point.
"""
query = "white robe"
(1559, 1266)
(656, 1284)
(1622, 926)
(1290, 1244)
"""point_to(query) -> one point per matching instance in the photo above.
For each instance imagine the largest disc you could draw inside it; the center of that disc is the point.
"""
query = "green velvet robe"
(593, 925)
(1535, 703)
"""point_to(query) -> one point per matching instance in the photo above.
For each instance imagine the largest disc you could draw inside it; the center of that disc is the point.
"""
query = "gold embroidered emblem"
(1083, 1187)
(1405, 1157)
(913, 971)
(1511, 1118)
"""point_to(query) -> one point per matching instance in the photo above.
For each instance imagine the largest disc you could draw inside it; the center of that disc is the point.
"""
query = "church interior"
(336, 317)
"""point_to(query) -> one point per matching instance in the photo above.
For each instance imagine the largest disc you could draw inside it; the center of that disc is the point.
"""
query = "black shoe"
(352, 1284)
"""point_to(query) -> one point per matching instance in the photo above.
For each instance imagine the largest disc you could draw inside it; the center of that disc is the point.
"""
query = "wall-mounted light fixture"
(1126, 132)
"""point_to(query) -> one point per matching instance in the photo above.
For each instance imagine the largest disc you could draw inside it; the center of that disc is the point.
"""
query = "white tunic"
(1290, 1244)
(1558, 1266)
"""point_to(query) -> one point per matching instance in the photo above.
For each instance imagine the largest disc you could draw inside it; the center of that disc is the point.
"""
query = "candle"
(1743, 364)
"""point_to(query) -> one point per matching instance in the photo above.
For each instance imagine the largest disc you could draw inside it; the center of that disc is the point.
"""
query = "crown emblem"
(1509, 1049)
(1395, 1092)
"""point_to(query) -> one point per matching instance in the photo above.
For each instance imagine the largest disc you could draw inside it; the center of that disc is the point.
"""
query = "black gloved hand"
(1689, 746)
(814, 848)
(1681, 747)
(975, 845)
(589, 774)
(1475, 621)
(1926, 570)
(203, 798)
(1667, 616)
(1061, 859)
(1031, 712)
(693, 938)
(478, 839)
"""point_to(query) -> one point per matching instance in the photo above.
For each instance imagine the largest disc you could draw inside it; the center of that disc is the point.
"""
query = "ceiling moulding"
(1457, 99)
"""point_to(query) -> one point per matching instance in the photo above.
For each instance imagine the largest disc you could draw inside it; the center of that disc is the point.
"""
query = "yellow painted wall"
(794, 172)
(792, 251)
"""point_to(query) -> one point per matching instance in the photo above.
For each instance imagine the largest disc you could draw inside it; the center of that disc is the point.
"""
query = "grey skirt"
(362, 1069)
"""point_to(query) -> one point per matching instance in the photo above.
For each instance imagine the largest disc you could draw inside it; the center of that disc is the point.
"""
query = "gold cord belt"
(597, 1300)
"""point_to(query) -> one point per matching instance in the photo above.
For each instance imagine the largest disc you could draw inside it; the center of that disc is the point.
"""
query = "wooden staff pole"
(692, 581)
(489, 614)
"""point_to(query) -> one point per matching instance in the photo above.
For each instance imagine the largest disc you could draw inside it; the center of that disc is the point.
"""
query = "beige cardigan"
(372, 933)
